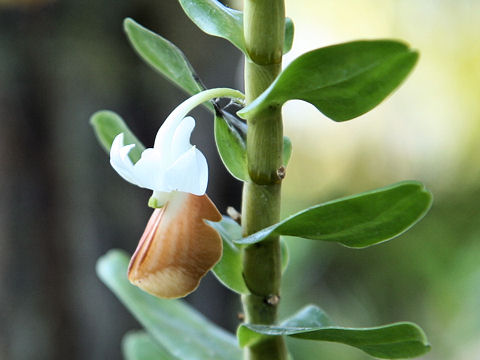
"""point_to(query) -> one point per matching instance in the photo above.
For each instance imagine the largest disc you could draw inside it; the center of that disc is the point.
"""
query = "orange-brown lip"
(177, 247)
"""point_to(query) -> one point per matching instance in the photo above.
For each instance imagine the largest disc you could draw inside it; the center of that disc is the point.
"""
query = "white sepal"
(172, 165)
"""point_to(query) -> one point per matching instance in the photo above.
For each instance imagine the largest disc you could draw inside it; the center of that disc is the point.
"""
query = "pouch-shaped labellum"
(177, 248)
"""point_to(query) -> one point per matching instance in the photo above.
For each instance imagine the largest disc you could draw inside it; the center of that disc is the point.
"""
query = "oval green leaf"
(107, 125)
(163, 56)
(229, 269)
(342, 81)
(287, 150)
(139, 345)
(180, 329)
(285, 254)
(310, 316)
(393, 341)
(289, 32)
(216, 19)
(231, 148)
(356, 221)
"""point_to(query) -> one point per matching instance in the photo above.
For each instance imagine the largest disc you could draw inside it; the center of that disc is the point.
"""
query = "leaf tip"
(243, 113)
(414, 55)
(240, 338)
(97, 117)
(106, 263)
(94, 118)
(427, 194)
(131, 27)
(128, 22)
(258, 105)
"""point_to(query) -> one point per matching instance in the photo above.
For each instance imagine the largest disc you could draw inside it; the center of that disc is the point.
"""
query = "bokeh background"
(62, 206)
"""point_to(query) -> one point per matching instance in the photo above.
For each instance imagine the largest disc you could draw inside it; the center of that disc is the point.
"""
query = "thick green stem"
(264, 31)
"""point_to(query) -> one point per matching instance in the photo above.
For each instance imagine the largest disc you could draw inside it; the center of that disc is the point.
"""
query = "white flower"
(173, 164)
(178, 247)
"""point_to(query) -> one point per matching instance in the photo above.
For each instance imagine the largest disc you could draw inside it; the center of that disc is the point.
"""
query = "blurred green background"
(61, 205)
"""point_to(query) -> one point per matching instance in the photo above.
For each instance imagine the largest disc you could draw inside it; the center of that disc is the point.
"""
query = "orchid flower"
(177, 248)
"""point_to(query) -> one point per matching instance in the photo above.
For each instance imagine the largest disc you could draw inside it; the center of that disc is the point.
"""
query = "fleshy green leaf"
(229, 269)
(216, 19)
(393, 341)
(107, 125)
(180, 329)
(139, 345)
(342, 81)
(310, 316)
(289, 31)
(163, 56)
(356, 221)
(287, 150)
(285, 254)
(232, 148)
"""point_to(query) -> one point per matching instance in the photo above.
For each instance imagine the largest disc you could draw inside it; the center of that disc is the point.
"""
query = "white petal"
(166, 132)
(120, 160)
(181, 138)
(172, 164)
(149, 170)
(164, 135)
(189, 173)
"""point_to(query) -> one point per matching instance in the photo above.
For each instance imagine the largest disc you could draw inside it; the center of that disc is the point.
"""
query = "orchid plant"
(187, 236)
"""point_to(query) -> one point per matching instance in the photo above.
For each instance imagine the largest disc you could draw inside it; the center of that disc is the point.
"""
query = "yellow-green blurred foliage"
(428, 130)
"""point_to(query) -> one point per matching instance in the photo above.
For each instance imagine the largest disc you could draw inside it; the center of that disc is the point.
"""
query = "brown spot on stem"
(273, 300)
(281, 172)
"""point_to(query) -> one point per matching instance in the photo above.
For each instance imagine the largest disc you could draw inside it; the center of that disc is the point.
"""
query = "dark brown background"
(61, 205)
